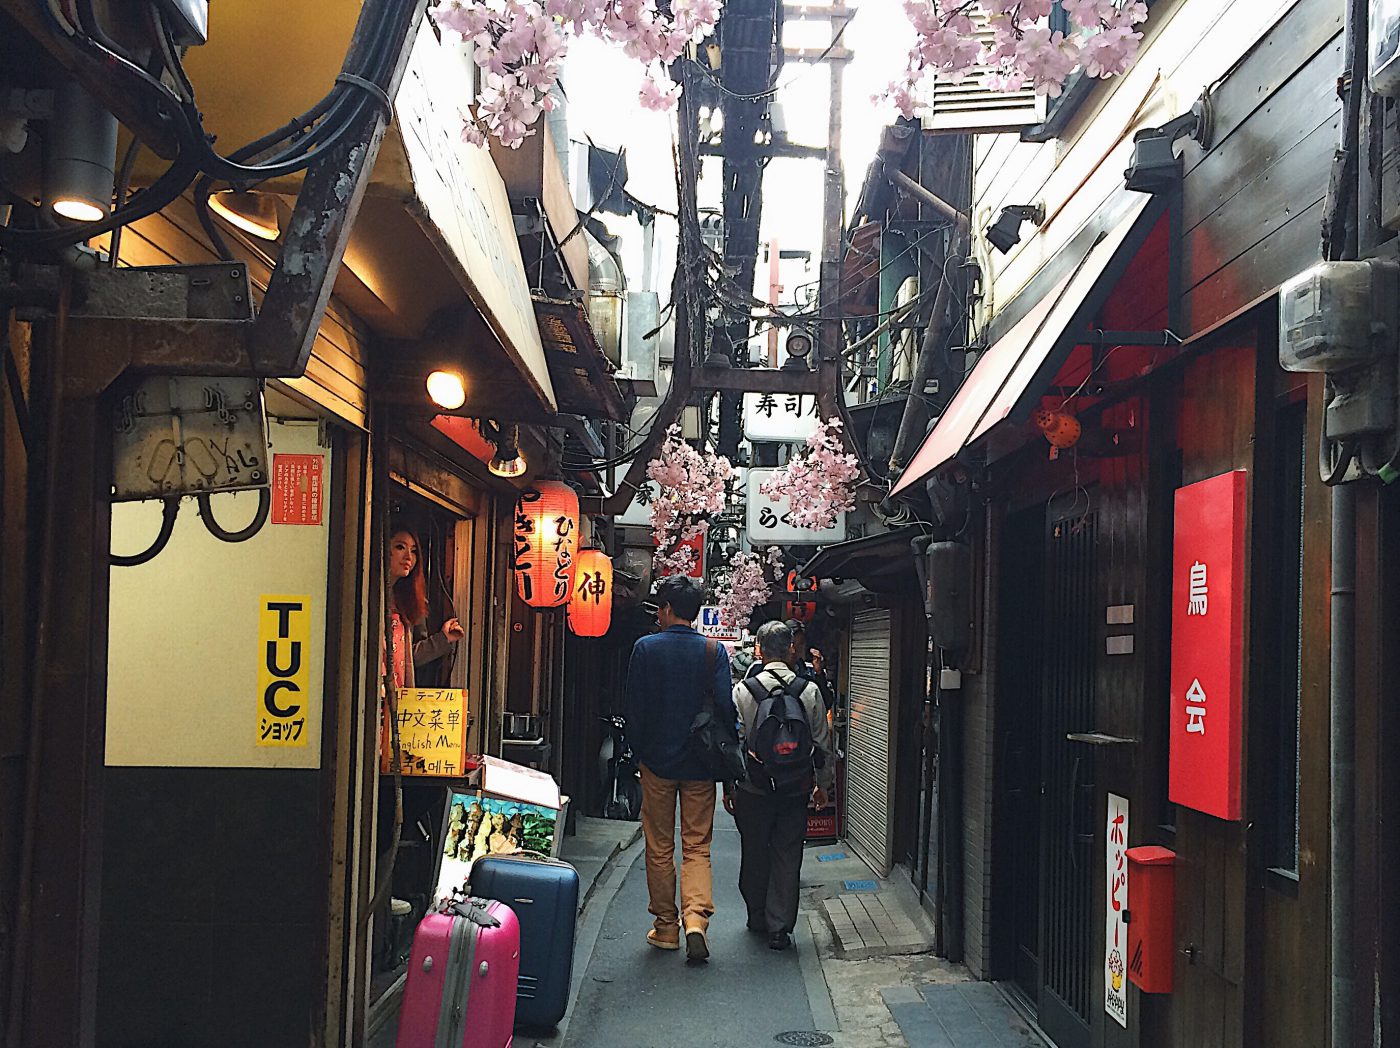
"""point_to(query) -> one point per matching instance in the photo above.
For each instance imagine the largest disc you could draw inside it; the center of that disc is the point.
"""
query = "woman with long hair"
(410, 609)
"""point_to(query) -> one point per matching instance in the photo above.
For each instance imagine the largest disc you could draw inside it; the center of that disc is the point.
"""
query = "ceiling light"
(508, 461)
(80, 156)
(254, 213)
(1155, 166)
(447, 389)
(1005, 232)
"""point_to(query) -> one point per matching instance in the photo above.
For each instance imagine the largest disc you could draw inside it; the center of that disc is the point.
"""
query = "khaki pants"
(697, 801)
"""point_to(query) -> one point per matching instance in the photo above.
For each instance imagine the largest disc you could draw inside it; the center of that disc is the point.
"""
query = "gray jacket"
(773, 675)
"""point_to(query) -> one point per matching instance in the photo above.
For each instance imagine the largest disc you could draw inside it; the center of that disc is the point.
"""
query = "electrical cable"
(169, 511)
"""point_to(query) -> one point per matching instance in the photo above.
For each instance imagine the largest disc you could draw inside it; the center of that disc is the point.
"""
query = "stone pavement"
(958, 1015)
(594, 845)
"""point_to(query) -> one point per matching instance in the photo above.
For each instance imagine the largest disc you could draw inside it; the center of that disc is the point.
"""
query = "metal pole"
(829, 397)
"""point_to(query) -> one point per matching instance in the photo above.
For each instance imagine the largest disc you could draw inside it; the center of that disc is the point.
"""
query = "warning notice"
(297, 489)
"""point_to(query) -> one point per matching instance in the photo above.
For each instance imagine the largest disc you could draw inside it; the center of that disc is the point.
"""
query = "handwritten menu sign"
(432, 732)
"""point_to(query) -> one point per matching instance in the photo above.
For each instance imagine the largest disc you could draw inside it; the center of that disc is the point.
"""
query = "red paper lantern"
(546, 538)
(590, 606)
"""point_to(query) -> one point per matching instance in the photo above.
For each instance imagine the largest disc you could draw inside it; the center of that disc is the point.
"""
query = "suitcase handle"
(474, 910)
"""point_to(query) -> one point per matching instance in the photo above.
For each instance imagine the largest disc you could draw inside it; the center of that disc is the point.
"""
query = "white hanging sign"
(1115, 974)
(786, 417)
(769, 521)
(638, 512)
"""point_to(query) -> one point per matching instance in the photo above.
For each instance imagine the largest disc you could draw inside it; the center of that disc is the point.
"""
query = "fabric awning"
(1011, 375)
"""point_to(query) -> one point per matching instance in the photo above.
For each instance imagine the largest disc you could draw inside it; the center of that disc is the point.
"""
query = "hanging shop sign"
(432, 732)
(1208, 645)
(788, 418)
(769, 521)
(638, 511)
(284, 669)
(590, 606)
(697, 543)
(298, 489)
(546, 537)
(1115, 961)
(711, 624)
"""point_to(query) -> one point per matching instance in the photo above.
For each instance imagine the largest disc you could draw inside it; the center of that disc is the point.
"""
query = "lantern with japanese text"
(546, 537)
(590, 605)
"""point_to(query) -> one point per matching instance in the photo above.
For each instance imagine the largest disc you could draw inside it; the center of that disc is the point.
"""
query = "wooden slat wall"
(1190, 45)
(335, 375)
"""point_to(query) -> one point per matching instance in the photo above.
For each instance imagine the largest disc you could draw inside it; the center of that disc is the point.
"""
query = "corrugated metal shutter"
(969, 105)
(869, 822)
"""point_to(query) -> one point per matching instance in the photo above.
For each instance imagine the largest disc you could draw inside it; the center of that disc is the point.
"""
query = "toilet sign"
(710, 625)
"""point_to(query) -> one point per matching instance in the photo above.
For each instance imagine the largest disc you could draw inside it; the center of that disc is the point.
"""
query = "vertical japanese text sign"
(284, 669)
(1115, 950)
(1208, 645)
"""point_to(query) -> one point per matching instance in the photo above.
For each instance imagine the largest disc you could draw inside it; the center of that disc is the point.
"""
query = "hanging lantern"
(546, 536)
(590, 606)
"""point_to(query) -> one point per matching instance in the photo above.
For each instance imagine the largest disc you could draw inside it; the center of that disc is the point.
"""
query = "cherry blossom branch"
(692, 490)
(819, 482)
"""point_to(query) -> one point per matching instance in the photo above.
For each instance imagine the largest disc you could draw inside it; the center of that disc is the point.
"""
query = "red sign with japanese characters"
(1208, 645)
(297, 492)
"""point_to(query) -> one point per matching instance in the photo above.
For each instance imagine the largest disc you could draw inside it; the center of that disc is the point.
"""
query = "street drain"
(804, 1037)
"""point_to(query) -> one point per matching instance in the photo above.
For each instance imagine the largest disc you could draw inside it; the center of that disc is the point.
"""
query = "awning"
(873, 556)
(1011, 375)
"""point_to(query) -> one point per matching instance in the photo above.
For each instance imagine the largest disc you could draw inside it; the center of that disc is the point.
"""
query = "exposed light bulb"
(447, 389)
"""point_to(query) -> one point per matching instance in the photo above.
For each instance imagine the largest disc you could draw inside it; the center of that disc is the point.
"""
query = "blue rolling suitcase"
(544, 895)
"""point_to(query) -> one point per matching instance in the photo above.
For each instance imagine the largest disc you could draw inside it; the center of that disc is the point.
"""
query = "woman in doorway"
(410, 610)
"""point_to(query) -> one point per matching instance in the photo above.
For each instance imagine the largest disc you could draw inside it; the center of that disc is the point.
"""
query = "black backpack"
(780, 746)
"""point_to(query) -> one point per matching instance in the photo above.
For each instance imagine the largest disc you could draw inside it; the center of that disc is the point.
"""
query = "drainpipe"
(1340, 241)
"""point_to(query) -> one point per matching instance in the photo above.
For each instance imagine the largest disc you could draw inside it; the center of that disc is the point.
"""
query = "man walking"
(789, 745)
(672, 676)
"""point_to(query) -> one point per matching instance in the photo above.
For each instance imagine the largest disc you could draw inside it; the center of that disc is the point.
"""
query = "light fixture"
(799, 348)
(507, 461)
(718, 356)
(80, 156)
(447, 389)
(1155, 166)
(1005, 232)
(254, 213)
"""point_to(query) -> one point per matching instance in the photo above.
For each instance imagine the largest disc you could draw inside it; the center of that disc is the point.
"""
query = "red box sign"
(1208, 645)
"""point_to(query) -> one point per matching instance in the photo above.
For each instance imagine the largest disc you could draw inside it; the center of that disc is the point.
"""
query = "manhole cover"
(804, 1037)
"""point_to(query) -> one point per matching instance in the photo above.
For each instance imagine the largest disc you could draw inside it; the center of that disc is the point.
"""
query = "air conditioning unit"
(1384, 29)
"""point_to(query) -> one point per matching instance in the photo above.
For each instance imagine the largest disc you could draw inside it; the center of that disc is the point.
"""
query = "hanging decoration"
(590, 606)
(1060, 428)
(546, 537)
(744, 586)
(819, 481)
(692, 490)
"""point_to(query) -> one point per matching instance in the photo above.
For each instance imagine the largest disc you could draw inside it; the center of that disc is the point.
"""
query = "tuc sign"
(1208, 645)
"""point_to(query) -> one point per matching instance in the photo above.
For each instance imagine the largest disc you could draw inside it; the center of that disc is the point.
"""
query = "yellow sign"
(284, 669)
(432, 732)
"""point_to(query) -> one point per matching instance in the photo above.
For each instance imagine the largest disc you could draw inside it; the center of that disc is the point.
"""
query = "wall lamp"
(799, 348)
(1155, 167)
(447, 390)
(80, 156)
(507, 461)
(1005, 232)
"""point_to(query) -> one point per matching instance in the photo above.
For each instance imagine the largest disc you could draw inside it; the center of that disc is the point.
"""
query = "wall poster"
(1115, 975)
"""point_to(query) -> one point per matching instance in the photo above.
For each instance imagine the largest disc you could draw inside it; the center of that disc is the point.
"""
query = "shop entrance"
(1045, 663)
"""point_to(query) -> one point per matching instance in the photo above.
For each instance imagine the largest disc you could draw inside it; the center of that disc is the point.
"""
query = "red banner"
(1208, 646)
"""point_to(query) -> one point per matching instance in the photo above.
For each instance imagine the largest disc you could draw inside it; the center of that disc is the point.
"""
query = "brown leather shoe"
(660, 943)
(697, 946)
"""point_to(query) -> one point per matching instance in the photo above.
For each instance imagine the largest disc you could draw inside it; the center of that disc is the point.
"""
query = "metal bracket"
(193, 319)
(754, 380)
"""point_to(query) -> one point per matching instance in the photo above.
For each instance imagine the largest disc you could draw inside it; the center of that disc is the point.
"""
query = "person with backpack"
(675, 676)
(788, 747)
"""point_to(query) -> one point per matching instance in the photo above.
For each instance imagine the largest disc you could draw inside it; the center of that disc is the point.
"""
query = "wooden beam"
(326, 207)
(754, 380)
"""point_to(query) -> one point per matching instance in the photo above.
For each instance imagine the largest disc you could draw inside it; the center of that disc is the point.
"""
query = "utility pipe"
(1340, 241)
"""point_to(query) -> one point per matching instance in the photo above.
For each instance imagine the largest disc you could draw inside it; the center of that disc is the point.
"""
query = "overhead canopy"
(871, 557)
(577, 368)
(1010, 376)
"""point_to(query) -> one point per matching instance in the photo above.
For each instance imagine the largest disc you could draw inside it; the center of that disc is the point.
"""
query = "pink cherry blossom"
(742, 588)
(658, 98)
(692, 490)
(819, 482)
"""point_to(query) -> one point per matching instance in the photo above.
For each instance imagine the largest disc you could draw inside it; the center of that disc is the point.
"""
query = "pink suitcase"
(461, 978)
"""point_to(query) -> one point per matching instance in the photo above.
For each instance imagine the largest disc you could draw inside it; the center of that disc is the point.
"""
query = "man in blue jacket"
(673, 673)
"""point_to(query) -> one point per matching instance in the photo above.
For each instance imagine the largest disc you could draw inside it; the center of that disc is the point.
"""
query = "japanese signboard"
(697, 543)
(769, 521)
(786, 417)
(284, 669)
(1115, 975)
(1208, 645)
(432, 732)
(297, 489)
(710, 625)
